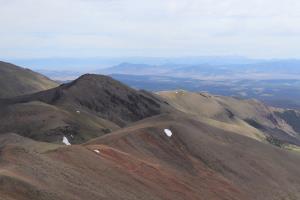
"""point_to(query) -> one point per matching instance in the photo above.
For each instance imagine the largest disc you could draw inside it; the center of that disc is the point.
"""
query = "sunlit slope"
(247, 117)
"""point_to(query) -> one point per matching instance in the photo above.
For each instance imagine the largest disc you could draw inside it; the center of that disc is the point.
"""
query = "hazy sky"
(89, 28)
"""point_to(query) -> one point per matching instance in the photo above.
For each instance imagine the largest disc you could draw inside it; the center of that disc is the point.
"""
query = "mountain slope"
(45, 122)
(248, 117)
(90, 106)
(141, 162)
(16, 81)
(253, 169)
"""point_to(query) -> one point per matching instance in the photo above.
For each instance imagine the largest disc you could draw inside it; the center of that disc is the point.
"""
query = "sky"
(164, 28)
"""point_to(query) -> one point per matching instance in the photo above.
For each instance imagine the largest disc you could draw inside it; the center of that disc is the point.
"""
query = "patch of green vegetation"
(291, 147)
(275, 141)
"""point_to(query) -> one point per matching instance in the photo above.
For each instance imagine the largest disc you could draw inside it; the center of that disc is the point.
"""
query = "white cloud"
(257, 28)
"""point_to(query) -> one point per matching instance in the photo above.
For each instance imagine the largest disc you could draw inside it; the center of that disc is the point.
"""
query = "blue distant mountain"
(274, 69)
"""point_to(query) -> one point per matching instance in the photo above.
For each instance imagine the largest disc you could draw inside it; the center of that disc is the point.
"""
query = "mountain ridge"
(90, 106)
(16, 81)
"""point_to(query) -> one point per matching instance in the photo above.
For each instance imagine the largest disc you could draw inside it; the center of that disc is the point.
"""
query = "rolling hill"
(16, 81)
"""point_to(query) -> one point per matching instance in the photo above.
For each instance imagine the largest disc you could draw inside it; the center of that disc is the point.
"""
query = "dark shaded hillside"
(45, 122)
(102, 96)
(292, 117)
(16, 81)
(90, 106)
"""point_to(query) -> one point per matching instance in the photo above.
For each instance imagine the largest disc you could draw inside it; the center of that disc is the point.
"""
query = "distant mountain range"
(205, 68)
(281, 69)
(94, 63)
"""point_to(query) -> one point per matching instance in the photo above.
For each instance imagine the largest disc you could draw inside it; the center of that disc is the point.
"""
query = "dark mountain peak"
(94, 85)
(93, 79)
(109, 99)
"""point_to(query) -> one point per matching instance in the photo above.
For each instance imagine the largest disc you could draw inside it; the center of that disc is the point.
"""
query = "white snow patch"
(66, 141)
(97, 151)
(168, 132)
